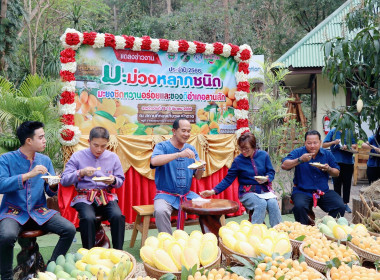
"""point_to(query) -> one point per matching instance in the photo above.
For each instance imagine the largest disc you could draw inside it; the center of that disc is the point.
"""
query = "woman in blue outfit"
(255, 193)
(345, 161)
(373, 163)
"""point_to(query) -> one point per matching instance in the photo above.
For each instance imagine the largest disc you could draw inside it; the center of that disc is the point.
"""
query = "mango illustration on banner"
(104, 112)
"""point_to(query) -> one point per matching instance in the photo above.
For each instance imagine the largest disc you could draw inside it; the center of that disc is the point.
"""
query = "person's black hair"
(312, 132)
(26, 130)
(99, 132)
(176, 122)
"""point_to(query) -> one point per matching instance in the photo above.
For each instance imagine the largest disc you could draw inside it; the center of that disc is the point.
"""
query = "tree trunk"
(226, 21)
(169, 6)
(3, 15)
(115, 17)
(151, 8)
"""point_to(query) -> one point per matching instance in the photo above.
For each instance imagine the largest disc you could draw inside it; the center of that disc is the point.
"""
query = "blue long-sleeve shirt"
(22, 201)
(373, 161)
(242, 168)
(307, 178)
(340, 155)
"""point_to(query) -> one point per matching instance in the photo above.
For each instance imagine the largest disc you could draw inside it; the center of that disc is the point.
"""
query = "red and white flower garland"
(73, 39)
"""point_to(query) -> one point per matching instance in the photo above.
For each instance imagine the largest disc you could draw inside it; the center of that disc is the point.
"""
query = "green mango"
(68, 267)
(74, 273)
(51, 266)
(331, 224)
(58, 268)
(326, 219)
(61, 260)
(62, 274)
(342, 221)
(325, 230)
(88, 268)
(77, 256)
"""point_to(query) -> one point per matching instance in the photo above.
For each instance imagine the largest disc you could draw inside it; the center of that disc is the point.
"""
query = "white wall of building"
(326, 100)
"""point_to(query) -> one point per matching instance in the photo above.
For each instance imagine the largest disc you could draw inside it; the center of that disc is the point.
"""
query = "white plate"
(316, 164)
(195, 165)
(50, 177)
(100, 179)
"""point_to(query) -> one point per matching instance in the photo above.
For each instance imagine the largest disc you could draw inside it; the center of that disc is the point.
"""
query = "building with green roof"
(305, 60)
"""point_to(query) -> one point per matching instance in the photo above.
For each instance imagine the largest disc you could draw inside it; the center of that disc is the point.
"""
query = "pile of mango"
(323, 250)
(254, 239)
(286, 269)
(355, 272)
(339, 229)
(170, 252)
(296, 230)
(96, 263)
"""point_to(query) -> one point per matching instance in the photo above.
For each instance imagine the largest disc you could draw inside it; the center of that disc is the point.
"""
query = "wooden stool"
(29, 259)
(145, 212)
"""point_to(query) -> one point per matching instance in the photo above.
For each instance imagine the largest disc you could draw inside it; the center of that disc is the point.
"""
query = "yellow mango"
(146, 254)
(189, 258)
(80, 265)
(177, 234)
(152, 241)
(175, 251)
(208, 252)
(245, 248)
(163, 261)
(282, 246)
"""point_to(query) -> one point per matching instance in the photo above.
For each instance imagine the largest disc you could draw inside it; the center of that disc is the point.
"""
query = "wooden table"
(210, 211)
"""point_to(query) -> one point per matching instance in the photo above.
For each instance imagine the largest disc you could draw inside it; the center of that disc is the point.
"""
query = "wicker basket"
(156, 273)
(320, 266)
(374, 233)
(133, 271)
(295, 247)
(228, 254)
(364, 254)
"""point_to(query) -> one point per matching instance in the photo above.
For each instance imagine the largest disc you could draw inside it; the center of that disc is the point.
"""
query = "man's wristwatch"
(299, 160)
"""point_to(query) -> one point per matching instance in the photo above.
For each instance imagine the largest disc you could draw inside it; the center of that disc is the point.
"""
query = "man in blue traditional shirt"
(313, 166)
(24, 202)
(345, 161)
(173, 178)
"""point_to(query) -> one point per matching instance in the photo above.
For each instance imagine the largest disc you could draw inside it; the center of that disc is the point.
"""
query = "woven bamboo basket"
(320, 266)
(374, 233)
(133, 271)
(228, 254)
(156, 273)
(295, 247)
(364, 254)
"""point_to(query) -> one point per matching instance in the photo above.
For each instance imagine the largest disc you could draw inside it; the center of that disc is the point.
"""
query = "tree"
(352, 62)
(10, 23)
(308, 14)
(35, 99)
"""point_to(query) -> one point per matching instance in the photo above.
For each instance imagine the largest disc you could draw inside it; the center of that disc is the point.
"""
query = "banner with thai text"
(142, 92)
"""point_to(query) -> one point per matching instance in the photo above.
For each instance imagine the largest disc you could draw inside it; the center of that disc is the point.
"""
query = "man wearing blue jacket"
(313, 166)
(23, 206)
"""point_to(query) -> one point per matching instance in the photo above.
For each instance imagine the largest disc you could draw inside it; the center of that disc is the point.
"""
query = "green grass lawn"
(48, 242)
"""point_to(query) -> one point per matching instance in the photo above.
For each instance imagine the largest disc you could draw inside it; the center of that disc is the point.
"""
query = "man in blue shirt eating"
(313, 166)
(173, 178)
